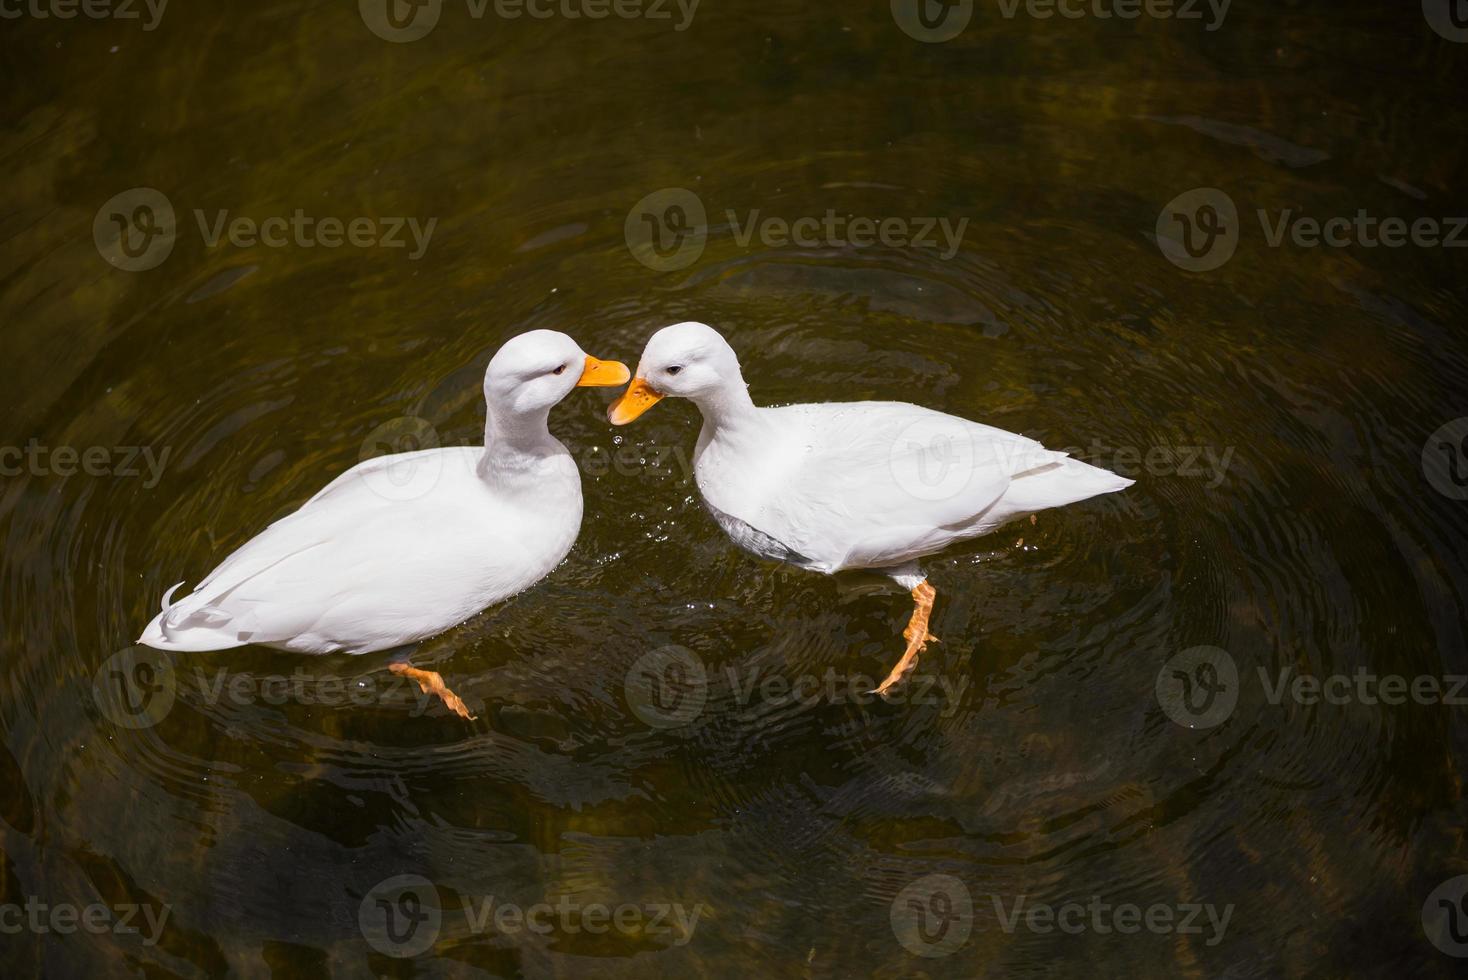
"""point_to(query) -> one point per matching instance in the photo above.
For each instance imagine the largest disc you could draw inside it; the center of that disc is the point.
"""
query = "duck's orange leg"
(916, 634)
(432, 683)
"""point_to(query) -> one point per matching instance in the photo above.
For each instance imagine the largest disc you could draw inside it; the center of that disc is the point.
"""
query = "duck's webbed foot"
(430, 682)
(916, 634)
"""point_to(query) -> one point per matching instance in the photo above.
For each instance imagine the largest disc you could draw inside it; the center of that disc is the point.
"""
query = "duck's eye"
(560, 370)
(675, 369)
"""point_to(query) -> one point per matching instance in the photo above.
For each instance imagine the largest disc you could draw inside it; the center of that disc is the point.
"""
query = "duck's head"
(534, 371)
(686, 360)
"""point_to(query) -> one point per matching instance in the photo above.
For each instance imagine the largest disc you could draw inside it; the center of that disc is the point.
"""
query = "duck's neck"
(515, 444)
(729, 414)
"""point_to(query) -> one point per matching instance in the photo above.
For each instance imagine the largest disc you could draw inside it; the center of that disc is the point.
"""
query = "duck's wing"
(399, 475)
(879, 483)
(354, 496)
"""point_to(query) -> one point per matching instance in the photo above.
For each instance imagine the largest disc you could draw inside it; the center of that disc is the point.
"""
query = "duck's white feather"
(354, 570)
(847, 485)
(402, 547)
(879, 484)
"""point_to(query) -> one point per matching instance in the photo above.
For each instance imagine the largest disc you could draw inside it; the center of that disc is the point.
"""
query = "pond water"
(1093, 230)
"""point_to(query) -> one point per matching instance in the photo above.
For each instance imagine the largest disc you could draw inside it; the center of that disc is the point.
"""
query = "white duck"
(834, 486)
(402, 547)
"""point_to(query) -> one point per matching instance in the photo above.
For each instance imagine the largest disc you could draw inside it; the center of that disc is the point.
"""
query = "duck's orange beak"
(603, 374)
(634, 401)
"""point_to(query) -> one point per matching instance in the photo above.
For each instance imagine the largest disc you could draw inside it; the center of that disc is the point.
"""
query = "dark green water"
(1296, 505)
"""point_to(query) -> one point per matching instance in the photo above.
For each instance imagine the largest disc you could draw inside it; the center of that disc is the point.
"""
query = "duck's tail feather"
(191, 624)
(1066, 481)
